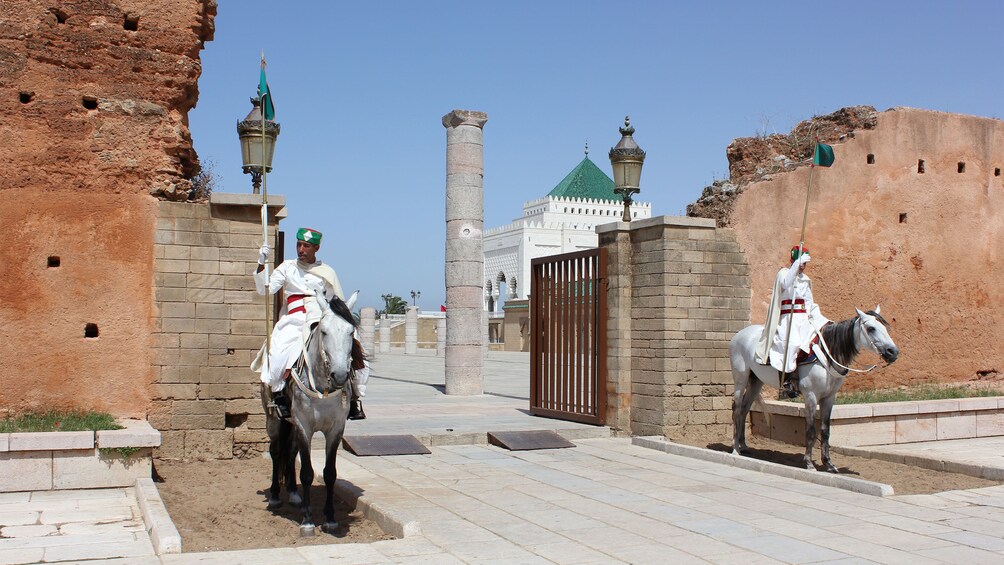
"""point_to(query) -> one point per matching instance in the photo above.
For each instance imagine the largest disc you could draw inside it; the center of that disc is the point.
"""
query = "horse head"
(334, 333)
(873, 334)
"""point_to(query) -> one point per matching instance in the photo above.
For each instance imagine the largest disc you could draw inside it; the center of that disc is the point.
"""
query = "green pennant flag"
(264, 94)
(823, 156)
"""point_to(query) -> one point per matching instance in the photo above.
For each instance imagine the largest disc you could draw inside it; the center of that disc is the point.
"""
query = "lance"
(264, 212)
(818, 158)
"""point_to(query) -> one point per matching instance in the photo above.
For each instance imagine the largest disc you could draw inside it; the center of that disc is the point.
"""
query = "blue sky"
(360, 88)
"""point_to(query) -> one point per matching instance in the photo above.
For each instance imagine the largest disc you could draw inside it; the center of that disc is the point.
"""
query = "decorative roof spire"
(587, 148)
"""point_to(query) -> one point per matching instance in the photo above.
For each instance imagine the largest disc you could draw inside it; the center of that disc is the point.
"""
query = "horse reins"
(829, 355)
(302, 363)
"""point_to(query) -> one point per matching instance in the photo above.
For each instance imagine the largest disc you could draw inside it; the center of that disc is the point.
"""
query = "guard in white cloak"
(791, 305)
(303, 281)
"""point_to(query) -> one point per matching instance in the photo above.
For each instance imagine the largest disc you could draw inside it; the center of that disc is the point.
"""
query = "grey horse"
(818, 381)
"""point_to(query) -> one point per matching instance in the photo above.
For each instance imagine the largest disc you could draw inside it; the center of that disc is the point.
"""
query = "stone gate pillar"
(367, 321)
(384, 334)
(464, 258)
(411, 330)
(440, 336)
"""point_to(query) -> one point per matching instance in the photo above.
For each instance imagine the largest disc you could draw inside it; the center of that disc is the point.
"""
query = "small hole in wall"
(230, 351)
(61, 16)
(920, 166)
(91, 330)
(871, 158)
(234, 420)
(997, 172)
(131, 23)
(90, 102)
(53, 261)
(26, 97)
(962, 167)
(902, 217)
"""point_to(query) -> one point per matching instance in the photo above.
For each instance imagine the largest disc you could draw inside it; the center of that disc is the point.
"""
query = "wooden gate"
(568, 323)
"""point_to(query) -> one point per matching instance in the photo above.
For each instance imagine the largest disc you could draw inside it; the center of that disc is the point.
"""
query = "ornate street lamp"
(251, 134)
(414, 297)
(626, 159)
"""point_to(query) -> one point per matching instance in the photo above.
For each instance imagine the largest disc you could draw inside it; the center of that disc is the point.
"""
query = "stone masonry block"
(228, 391)
(25, 471)
(175, 391)
(198, 422)
(204, 295)
(217, 311)
(98, 469)
(50, 441)
(172, 445)
(202, 445)
(207, 267)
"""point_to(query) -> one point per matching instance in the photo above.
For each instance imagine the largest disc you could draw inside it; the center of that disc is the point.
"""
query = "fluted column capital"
(465, 118)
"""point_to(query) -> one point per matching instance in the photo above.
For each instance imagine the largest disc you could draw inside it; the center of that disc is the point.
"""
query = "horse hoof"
(274, 503)
(329, 527)
(307, 531)
(831, 469)
(294, 498)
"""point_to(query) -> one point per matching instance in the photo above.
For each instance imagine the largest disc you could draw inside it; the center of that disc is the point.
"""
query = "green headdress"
(309, 236)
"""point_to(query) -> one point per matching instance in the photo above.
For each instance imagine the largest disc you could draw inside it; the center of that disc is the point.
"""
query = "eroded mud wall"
(94, 97)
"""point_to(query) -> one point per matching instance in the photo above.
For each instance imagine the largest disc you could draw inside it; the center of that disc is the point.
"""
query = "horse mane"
(339, 307)
(879, 317)
(839, 338)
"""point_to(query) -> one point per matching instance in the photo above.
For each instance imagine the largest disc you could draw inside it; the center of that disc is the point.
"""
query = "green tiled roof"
(585, 181)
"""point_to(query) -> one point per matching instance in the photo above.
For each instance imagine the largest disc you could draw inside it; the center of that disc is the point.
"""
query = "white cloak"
(789, 284)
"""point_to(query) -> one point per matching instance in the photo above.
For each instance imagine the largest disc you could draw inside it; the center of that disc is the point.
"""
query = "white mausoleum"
(563, 221)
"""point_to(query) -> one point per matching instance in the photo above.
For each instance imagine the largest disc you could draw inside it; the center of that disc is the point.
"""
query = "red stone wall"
(95, 130)
(926, 246)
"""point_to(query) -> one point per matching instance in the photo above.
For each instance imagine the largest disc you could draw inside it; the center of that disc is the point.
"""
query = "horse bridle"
(829, 355)
(302, 364)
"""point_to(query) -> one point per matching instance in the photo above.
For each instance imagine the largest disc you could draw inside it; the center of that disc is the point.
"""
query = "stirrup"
(356, 410)
(282, 408)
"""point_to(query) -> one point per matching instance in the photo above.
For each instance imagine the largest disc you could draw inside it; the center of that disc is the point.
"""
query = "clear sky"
(360, 89)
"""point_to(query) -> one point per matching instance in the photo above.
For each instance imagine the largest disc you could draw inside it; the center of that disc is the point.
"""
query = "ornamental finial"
(587, 148)
(627, 129)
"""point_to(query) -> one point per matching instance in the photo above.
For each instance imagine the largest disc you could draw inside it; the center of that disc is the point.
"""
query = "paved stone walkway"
(604, 501)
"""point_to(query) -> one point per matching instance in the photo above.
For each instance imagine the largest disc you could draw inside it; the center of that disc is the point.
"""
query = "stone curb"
(163, 534)
(816, 477)
(395, 523)
(934, 464)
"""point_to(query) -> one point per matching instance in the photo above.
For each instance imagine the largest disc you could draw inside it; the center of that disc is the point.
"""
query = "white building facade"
(563, 221)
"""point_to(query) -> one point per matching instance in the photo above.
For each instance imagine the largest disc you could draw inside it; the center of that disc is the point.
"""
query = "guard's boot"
(789, 385)
(281, 402)
(356, 410)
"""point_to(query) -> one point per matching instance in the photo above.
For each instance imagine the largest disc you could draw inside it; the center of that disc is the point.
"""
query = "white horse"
(818, 381)
(320, 401)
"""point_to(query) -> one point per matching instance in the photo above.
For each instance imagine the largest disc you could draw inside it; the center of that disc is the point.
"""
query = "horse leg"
(290, 468)
(306, 479)
(810, 429)
(742, 401)
(825, 410)
(330, 475)
(278, 453)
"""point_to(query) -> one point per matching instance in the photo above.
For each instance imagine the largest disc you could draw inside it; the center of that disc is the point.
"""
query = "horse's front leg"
(290, 470)
(825, 410)
(810, 428)
(306, 479)
(275, 450)
(330, 475)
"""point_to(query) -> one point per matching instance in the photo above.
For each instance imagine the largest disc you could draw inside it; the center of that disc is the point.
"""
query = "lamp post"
(252, 135)
(414, 297)
(626, 159)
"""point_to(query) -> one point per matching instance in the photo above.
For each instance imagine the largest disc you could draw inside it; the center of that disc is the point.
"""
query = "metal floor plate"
(527, 440)
(365, 446)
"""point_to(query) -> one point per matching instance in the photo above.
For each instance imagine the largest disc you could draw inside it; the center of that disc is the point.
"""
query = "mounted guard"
(791, 332)
(304, 281)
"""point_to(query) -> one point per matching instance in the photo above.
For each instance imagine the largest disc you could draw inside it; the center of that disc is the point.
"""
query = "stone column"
(384, 334)
(367, 321)
(440, 336)
(411, 330)
(464, 258)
